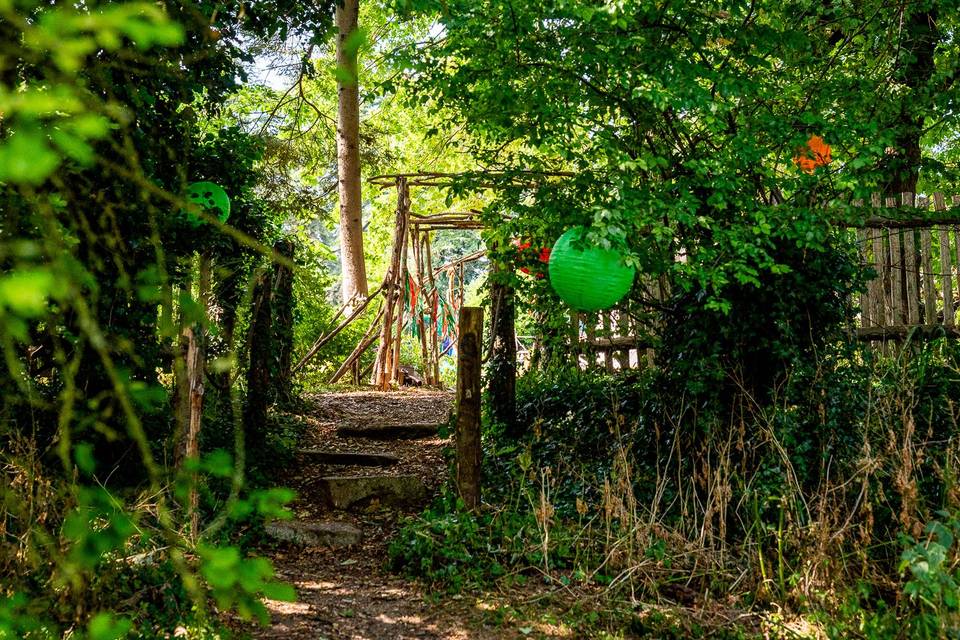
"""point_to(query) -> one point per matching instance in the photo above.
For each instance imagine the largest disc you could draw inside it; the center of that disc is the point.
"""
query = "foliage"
(451, 548)
(789, 498)
(109, 112)
(788, 320)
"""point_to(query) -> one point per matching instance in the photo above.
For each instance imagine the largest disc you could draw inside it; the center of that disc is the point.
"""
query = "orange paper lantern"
(815, 154)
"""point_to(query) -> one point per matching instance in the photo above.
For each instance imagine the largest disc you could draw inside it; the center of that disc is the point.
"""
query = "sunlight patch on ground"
(316, 586)
(777, 625)
(411, 619)
(558, 630)
(288, 608)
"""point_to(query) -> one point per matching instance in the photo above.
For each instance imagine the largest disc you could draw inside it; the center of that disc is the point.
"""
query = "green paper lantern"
(209, 196)
(588, 279)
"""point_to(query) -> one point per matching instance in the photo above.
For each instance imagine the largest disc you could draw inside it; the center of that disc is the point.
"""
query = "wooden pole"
(418, 317)
(361, 347)
(468, 405)
(327, 337)
(434, 344)
(401, 299)
(196, 364)
(381, 363)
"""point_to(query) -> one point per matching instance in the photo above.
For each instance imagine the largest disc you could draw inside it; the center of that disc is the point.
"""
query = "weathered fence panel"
(619, 338)
(908, 295)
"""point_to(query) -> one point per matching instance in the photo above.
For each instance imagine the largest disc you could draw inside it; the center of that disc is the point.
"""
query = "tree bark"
(353, 270)
(503, 358)
(258, 372)
(282, 305)
(919, 44)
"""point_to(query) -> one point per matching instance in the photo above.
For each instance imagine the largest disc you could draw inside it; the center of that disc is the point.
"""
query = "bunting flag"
(434, 309)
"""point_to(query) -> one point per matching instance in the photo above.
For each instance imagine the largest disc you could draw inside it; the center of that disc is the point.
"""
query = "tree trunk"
(467, 434)
(348, 153)
(258, 373)
(282, 305)
(503, 359)
(919, 44)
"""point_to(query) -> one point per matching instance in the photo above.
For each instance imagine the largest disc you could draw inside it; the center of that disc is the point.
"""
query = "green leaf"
(25, 292)
(26, 158)
(218, 463)
(354, 41)
(104, 626)
(344, 76)
(83, 455)
(73, 147)
(280, 591)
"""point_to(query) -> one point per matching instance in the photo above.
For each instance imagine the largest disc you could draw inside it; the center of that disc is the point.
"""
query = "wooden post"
(896, 272)
(623, 330)
(878, 295)
(383, 368)
(576, 345)
(608, 353)
(927, 280)
(417, 244)
(866, 315)
(591, 321)
(402, 279)
(911, 274)
(196, 366)
(468, 405)
(946, 264)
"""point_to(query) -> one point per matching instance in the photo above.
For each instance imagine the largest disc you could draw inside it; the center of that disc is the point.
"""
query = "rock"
(410, 377)
(349, 458)
(352, 492)
(389, 431)
(315, 534)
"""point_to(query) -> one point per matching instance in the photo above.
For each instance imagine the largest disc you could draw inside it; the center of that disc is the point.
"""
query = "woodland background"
(767, 463)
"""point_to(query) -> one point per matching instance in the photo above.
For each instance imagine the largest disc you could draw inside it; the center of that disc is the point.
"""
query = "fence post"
(468, 405)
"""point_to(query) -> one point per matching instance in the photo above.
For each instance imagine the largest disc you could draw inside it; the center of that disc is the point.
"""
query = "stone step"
(314, 534)
(358, 492)
(349, 458)
(389, 431)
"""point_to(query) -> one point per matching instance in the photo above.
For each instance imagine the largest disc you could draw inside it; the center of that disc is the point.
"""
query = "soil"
(348, 593)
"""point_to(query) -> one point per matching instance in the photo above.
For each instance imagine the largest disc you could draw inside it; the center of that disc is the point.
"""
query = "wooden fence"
(914, 252)
(618, 338)
(912, 243)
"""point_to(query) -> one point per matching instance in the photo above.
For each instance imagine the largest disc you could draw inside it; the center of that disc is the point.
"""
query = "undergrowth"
(835, 502)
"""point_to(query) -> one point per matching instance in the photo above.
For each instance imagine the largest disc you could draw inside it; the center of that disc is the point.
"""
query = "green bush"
(785, 317)
(451, 548)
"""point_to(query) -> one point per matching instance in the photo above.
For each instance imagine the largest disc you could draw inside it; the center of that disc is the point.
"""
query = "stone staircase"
(361, 467)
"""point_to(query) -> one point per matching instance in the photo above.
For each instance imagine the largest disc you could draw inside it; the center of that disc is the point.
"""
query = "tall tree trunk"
(915, 70)
(348, 153)
(503, 358)
(258, 371)
(282, 304)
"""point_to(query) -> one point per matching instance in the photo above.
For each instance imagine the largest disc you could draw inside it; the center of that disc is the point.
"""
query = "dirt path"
(347, 592)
